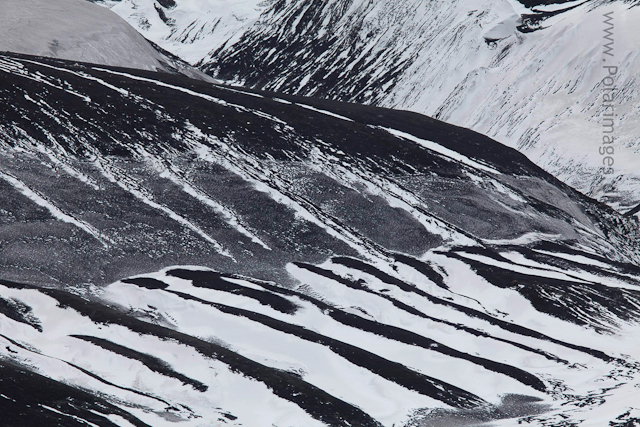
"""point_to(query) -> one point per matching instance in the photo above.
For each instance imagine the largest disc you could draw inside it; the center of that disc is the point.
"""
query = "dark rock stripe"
(385, 368)
(585, 304)
(632, 212)
(412, 310)
(20, 312)
(151, 362)
(423, 268)
(316, 402)
(511, 327)
(146, 282)
(91, 374)
(27, 391)
(216, 281)
(557, 261)
(557, 247)
(351, 320)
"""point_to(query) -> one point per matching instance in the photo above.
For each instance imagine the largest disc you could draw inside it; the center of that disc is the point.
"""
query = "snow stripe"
(229, 216)
(454, 155)
(55, 211)
(170, 213)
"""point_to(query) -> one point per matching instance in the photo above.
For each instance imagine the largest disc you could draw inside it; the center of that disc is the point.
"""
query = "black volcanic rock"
(169, 166)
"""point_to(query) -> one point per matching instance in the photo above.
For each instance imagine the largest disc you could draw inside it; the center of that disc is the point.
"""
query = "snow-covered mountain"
(189, 28)
(79, 31)
(177, 251)
(529, 74)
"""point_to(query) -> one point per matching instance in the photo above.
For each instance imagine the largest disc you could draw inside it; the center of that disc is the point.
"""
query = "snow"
(329, 113)
(538, 92)
(392, 193)
(443, 150)
(503, 29)
(53, 210)
(48, 408)
(376, 307)
(193, 93)
(230, 217)
(521, 269)
(197, 26)
(277, 190)
(577, 258)
(112, 174)
(557, 7)
(10, 66)
(555, 120)
(240, 396)
(75, 30)
(318, 363)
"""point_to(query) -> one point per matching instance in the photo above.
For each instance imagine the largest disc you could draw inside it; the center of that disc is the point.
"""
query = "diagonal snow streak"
(146, 199)
(194, 93)
(230, 217)
(393, 193)
(15, 68)
(429, 145)
(83, 75)
(53, 210)
(328, 113)
(272, 185)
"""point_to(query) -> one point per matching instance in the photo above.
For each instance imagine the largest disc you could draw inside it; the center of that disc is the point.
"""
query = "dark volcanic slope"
(172, 250)
(99, 165)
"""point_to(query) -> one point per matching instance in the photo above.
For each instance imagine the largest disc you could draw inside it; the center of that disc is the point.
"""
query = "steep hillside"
(79, 31)
(530, 78)
(173, 250)
(528, 74)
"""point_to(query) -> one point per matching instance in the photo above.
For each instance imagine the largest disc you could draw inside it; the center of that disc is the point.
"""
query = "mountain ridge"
(78, 31)
(525, 73)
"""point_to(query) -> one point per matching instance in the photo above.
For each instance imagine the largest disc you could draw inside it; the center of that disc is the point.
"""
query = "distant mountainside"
(189, 29)
(79, 31)
(528, 74)
(178, 251)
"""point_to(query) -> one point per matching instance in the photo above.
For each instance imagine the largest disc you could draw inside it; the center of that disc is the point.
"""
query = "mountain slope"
(530, 78)
(189, 29)
(154, 147)
(173, 250)
(79, 31)
(528, 74)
